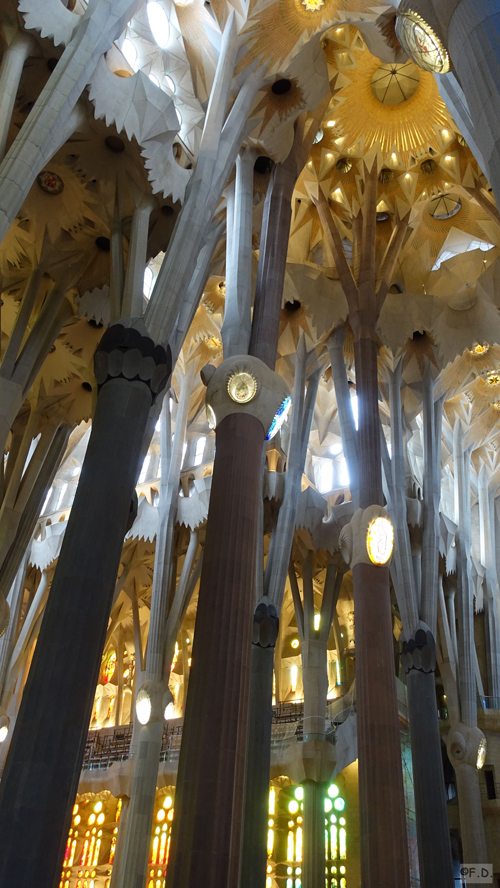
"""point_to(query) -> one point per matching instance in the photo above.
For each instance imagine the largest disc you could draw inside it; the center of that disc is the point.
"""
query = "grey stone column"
(419, 662)
(313, 866)
(43, 765)
(258, 752)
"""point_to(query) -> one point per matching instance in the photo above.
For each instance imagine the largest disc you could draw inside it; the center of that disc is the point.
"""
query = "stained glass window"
(286, 833)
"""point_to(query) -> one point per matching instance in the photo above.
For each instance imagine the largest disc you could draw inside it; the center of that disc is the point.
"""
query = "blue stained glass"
(279, 418)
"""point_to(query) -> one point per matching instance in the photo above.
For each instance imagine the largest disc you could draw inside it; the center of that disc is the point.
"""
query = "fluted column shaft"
(211, 761)
(41, 773)
(384, 848)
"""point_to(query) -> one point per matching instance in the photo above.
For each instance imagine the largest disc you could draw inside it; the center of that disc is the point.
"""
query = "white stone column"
(133, 298)
(46, 127)
(11, 69)
(237, 315)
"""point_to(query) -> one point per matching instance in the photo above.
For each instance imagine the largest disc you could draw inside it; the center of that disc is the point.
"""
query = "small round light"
(328, 805)
(75, 809)
(91, 819)
(77, 820)
(169, 711)
(170, 815)
(339, 804)
(342, 821)
(242, 387)
(295, 643)
(101, 818)
(168, 802)
(4, 730)
(333, 791)
(380, 540)
(481, 753)
(299, 793)
(293, 806)
(98, 807)
(143, 706)
(161, 815)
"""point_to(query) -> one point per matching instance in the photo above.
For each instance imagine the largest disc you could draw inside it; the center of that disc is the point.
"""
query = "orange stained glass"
(112, 850)
(118, 810)
(163, 847)
(154, 856)
(90, 854)
(95, 858)
(108, 667)
(67, 852)
(84, 853)
(71, 858)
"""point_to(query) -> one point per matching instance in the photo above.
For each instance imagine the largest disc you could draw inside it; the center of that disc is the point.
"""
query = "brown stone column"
(210, 767)
(384, 844)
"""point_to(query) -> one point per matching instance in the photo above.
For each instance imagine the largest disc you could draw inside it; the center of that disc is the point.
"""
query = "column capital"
(127, 352)
(419, 651)
(265, 624)
(244, 384)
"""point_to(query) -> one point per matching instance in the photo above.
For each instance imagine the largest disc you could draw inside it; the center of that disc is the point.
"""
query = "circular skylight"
(169, 83)
(395, 84)
(158, 22)
(445, 206)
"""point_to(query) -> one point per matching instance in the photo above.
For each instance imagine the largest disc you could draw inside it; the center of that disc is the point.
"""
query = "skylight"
(449, 254)
(130, 52)
(158, 22)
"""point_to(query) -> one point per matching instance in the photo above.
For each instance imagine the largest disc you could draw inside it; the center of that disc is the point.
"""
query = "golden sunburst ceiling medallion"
(421, 43)
(313, 5)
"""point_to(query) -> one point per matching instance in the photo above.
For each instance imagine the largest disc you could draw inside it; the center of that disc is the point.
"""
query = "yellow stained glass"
(156, 843)
(270, 842)
(95, 858)
(163, 847)
(333, 842)
(108, 667)
(298, 844)
(342, 842)
(290, 845)
(272, 800)
(112, 850)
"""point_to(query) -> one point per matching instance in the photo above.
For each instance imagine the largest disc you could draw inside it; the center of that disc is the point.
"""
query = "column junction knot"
(419, 651)
(126, 351)
(265, 623)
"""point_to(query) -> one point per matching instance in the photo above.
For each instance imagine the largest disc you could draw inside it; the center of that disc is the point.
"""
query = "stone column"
(47, 123)
(313, 857)
(258, 753)
(133, 298)
(384, 846)
(419, 662)
(41, 773)
(237, 313)
(244, 396)
(13, 61)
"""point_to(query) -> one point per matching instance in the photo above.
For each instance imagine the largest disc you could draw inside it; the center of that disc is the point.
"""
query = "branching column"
(384, 850)
(41, 773)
